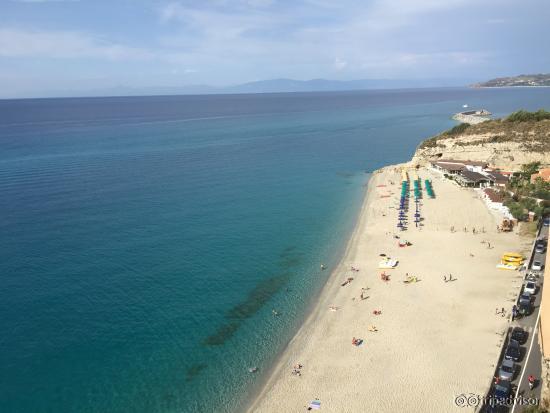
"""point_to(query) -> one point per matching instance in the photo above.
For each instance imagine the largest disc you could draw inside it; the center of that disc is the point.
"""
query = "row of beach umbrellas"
(403, 201)
(429, 188)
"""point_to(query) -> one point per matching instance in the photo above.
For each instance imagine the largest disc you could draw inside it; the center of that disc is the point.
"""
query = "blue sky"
(48, 46)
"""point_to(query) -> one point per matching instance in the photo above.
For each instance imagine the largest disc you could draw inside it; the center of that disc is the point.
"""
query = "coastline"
(316, 309)
(345, 381)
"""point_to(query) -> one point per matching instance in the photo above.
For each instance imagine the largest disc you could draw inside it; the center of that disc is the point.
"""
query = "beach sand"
(435, 339)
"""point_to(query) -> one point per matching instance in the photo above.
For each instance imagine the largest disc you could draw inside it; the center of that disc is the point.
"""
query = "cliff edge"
(507, 143)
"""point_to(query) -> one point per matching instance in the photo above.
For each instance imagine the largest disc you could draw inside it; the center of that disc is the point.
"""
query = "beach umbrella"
(315, 404)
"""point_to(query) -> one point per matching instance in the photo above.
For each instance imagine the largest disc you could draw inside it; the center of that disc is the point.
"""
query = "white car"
(530, 288)
(537, 266)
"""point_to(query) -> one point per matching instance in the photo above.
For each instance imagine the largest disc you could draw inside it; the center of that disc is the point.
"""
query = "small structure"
(500, 179)
(453, 167)
(544, 174)
(495, 201)
(473, 116)
(473, 179)
(492, 198)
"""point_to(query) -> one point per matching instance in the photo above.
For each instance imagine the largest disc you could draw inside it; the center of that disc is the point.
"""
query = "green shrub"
(524, 116)
(457, 130)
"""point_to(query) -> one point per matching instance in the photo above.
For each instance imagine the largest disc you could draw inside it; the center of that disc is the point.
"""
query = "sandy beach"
(435, 339)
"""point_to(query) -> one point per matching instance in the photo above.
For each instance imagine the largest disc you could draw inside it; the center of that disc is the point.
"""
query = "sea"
(146, 242)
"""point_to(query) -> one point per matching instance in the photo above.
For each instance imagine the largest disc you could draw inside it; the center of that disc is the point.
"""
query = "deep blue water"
(145, 241)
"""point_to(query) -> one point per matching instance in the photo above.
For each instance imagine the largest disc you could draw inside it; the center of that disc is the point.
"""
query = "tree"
(529, 169)
(517, 210)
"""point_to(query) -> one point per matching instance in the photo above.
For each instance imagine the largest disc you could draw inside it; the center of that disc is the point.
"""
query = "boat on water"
(465, 106)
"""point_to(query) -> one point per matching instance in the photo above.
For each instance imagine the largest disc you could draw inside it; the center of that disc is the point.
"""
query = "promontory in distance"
(521, 80)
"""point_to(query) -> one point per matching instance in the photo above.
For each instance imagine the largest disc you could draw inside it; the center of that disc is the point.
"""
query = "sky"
(51, 46)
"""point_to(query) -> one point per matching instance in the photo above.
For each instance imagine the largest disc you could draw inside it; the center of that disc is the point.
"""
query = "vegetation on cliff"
(530, 129)
(524, 196)
(524, 116)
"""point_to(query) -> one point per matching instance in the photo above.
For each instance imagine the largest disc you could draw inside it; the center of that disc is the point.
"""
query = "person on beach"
(450, 277)
(445, 278)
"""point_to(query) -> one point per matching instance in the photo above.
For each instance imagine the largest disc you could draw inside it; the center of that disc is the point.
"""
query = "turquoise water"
(146, 241)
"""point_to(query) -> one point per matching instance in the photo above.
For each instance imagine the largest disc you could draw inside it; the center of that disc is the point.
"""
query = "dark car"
(525, 307)
(519, 335)
(502, 390)
(546, 222)
(513, 351)
(507, 370)
(540, 248)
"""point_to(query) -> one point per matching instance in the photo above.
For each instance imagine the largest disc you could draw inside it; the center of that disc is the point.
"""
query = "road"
(531, 362)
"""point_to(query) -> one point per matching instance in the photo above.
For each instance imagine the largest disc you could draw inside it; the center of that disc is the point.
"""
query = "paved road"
(532, 358)
(532, 364)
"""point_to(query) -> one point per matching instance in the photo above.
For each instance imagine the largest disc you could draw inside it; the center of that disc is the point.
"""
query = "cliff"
(504, 143)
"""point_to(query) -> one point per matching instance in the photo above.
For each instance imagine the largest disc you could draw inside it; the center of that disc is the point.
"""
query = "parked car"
(527, 296)
(525, 307)
(502, 390)
(530, 287)
(519, 335)
(546, 222)
(540, 248)
(507, 370)
(513, 351)
(532, 277)
(537, 266)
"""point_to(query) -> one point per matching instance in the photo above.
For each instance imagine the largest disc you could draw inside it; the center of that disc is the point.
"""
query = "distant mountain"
(521, 80)
(325, 85)
(263, 86)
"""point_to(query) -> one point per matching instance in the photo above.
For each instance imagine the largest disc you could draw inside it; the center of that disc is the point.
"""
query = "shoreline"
(315, 309)
(283, 392)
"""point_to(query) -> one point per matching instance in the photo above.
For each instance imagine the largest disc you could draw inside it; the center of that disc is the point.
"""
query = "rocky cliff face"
(505, 145)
